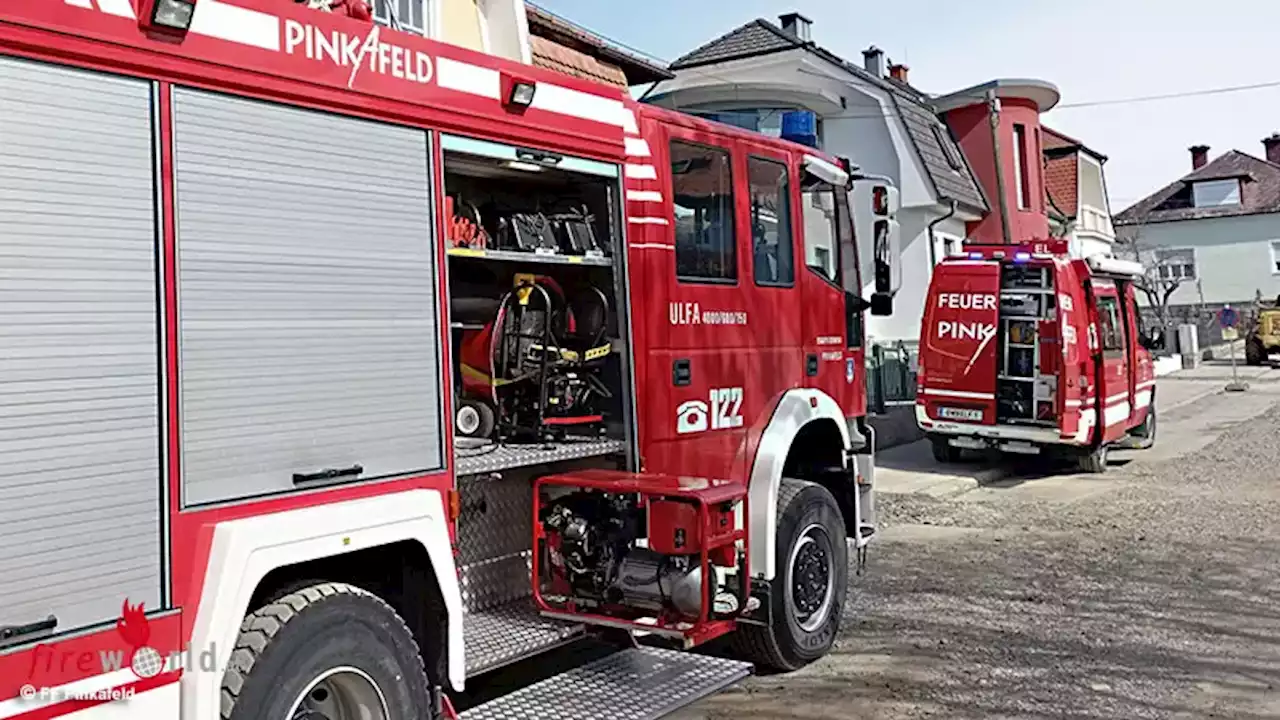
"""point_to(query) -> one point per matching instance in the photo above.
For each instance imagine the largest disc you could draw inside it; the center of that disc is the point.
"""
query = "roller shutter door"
(307, 298)
(80, 480)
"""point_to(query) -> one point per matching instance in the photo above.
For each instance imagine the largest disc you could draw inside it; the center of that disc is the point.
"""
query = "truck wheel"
(1094, 461)
(1146, 435)
(1254, 352)
(944, 452)
(328, 651)
(808, 590)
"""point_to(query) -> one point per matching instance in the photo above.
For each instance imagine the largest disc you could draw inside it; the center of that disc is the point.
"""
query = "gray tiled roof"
(758, 37)
(1259, 192)
(761, 37)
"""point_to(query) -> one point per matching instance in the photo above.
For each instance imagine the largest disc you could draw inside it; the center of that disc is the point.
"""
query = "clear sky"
(1091, 49)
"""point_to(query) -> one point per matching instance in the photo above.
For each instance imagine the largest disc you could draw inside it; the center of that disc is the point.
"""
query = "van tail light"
(880, 200)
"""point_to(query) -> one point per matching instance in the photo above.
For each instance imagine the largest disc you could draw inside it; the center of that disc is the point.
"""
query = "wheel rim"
(468, 420)
(812, 578)
(344, 693)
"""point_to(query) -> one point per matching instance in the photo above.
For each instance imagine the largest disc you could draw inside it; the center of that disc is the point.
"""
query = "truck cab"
(1025, 350)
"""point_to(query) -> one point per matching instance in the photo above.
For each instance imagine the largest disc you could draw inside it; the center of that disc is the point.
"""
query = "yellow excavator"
(1263, 337)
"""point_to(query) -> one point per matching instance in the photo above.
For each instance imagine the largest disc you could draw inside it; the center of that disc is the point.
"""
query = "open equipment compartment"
(541, 372)
(1026, 386)
(535, 287)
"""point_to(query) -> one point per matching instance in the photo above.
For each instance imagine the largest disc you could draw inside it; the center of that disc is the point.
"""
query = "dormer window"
(1216, 193)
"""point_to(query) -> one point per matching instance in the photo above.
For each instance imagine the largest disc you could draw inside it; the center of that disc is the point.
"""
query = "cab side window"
(821, 230)
(1110, 329)
(702, 190)
(771, 236)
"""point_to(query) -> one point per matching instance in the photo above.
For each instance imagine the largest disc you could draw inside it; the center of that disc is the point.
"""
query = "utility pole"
(993, 114)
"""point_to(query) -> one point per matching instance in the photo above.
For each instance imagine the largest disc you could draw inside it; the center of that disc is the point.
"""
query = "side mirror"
(881, 304)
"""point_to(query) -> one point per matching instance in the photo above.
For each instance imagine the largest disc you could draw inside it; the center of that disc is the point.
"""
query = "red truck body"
(1026, 350)
(234, 282)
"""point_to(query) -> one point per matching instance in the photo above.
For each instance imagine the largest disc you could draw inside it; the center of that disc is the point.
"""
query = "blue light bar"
(1021, 257)
(975, 256)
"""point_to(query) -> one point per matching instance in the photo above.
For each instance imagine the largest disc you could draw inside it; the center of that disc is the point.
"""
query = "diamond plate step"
(493, 458)
(635, 684)
(509, 633)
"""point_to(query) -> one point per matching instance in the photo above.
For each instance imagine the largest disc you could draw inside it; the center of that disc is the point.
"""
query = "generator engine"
(594, 561)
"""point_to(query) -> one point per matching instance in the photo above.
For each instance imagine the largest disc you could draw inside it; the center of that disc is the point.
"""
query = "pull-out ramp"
(639, 683)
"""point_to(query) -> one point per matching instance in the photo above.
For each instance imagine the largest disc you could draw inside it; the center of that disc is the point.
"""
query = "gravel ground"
(1150, 592)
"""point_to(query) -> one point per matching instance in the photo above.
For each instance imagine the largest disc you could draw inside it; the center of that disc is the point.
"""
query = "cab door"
(716, 337)
(1112, 343)
(831, 291)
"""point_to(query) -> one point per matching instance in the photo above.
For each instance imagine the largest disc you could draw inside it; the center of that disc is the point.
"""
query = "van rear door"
(958, 347)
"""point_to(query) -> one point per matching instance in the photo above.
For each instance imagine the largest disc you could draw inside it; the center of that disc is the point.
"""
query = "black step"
(640, 683)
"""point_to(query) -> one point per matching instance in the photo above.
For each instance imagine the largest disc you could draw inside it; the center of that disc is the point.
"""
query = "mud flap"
(639, 683)
(864, 474)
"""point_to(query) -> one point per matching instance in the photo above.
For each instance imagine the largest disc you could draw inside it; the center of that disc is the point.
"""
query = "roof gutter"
(933, 241)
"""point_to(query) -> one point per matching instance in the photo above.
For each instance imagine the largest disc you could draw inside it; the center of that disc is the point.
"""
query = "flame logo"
(133, 626)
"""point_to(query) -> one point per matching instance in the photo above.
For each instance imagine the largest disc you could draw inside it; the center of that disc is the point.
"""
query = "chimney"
(898, 72)
(797, 25)
(873, 61)
(1199, 156)
(1272, 145)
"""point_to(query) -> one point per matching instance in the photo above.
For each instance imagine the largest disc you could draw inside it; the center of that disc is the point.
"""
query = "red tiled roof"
(1054, 139)
(554, 56)
(1062, 183)
(636, 69)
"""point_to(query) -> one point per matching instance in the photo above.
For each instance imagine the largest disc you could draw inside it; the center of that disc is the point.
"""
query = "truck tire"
(1095, 460)
(329, 650)
(808, 591)
(1254, 352)
(1146, 435)
(943, 451)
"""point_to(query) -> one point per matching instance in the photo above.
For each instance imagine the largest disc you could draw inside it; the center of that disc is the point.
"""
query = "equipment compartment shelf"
(531, 257)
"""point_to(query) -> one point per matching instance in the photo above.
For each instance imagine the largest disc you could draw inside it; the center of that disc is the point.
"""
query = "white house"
(753, 74)
(1215, 232)
(1076, 191)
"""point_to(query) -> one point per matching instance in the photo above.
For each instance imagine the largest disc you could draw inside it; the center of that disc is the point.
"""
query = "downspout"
(993, 113)
(933, 241)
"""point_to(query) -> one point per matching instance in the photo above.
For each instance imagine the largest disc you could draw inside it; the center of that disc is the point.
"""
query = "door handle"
(681, 372)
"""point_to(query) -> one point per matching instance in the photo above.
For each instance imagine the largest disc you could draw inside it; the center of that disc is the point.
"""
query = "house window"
(703, 197)
(1020, 166)
(1275, 257)
(771, 235)
(1176, 264)
(407, 15)
(1216, 193)
(948, 147)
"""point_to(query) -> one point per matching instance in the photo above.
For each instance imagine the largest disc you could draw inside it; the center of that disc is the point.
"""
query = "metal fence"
(891, 378)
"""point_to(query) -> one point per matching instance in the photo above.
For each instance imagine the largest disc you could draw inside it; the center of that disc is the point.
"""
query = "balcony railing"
(1093, 220)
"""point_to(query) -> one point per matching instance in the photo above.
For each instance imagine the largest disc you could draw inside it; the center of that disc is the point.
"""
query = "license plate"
(960, 414)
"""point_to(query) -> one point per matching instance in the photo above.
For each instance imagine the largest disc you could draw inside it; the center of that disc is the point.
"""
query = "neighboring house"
(496, 27)
(558, 44)
(753, 75)
(1215, 232)
(1076, 190)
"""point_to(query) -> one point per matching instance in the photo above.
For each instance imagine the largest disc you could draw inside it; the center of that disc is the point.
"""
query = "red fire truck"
(341, 367)
(1025, 350)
